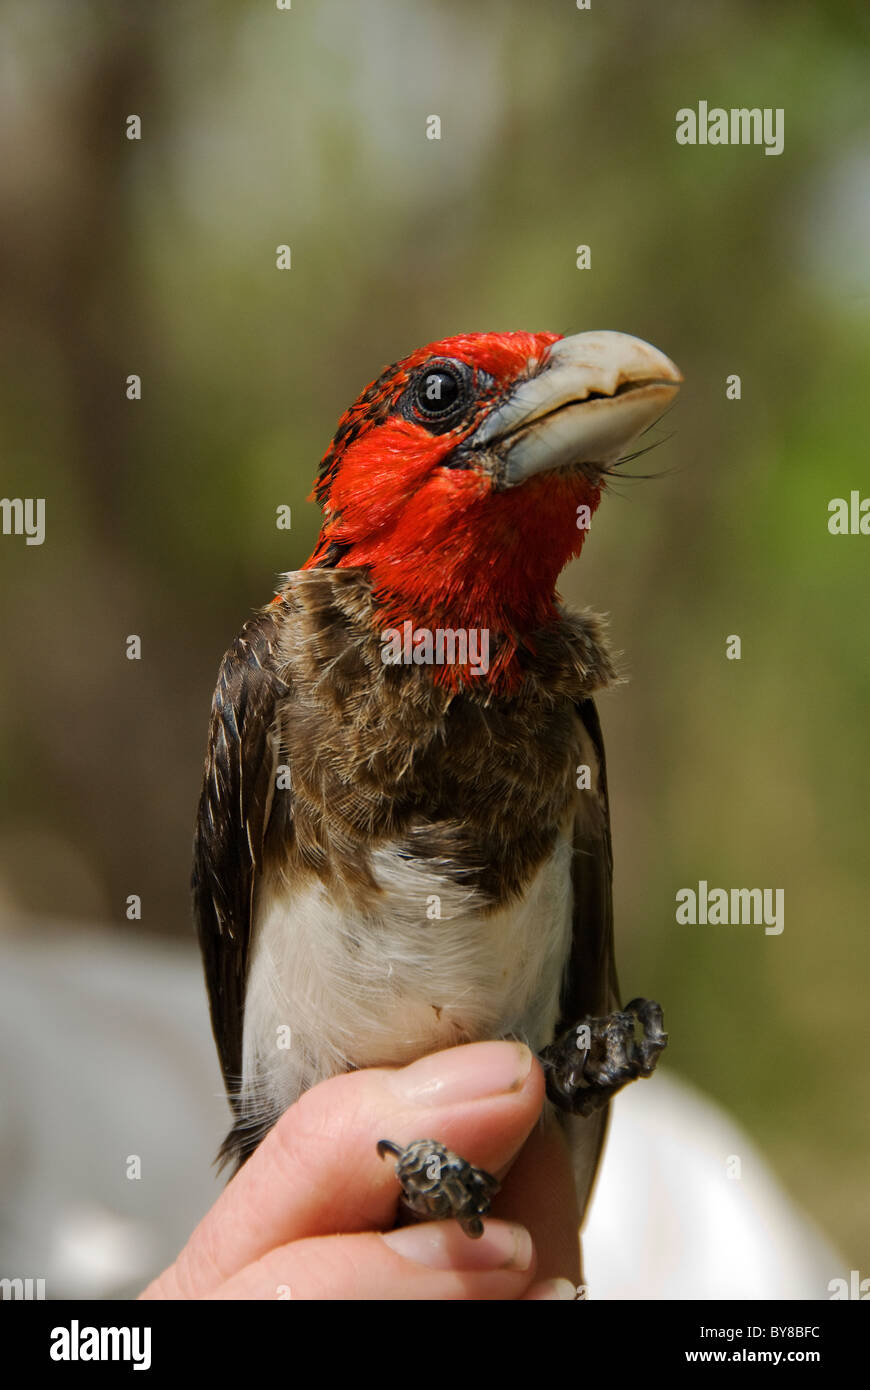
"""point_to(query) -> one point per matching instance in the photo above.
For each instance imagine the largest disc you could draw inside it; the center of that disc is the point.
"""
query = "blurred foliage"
(308, 127)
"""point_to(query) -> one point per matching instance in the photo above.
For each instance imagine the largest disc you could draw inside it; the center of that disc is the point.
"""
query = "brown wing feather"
(234, 810)
(591, 986)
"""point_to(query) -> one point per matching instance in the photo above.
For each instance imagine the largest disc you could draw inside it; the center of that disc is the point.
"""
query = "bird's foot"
(595, 1058)
(438, 1184)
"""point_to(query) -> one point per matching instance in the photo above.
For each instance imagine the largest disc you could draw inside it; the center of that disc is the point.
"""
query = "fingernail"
(446, 1246)
(561, 1289)
(465, 1073)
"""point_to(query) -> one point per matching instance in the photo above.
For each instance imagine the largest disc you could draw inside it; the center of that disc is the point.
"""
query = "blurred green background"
(307, 127)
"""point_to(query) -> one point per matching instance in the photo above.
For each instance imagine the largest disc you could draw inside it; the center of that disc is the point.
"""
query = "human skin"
(313, 1213)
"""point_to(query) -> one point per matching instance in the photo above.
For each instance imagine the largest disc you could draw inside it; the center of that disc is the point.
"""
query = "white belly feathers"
(329, 991)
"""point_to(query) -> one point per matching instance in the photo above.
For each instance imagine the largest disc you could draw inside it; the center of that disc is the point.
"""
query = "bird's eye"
(439, 393)
(438, 390)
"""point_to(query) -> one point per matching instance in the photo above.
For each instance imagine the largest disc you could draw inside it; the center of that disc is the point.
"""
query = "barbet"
(403, 839)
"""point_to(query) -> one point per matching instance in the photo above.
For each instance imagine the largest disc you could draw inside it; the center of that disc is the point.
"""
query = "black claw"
(437, 1184)
(386, 1146)
(595, 1058)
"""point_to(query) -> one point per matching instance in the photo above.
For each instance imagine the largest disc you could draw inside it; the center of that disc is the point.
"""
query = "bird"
(403, 837)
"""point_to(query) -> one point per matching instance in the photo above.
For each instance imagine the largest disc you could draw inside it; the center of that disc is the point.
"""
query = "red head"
(461, 478)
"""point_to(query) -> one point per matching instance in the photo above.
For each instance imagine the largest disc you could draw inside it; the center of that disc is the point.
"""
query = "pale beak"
(591, 399)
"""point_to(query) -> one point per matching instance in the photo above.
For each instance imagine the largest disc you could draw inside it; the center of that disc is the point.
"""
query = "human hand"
(312, 1214)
